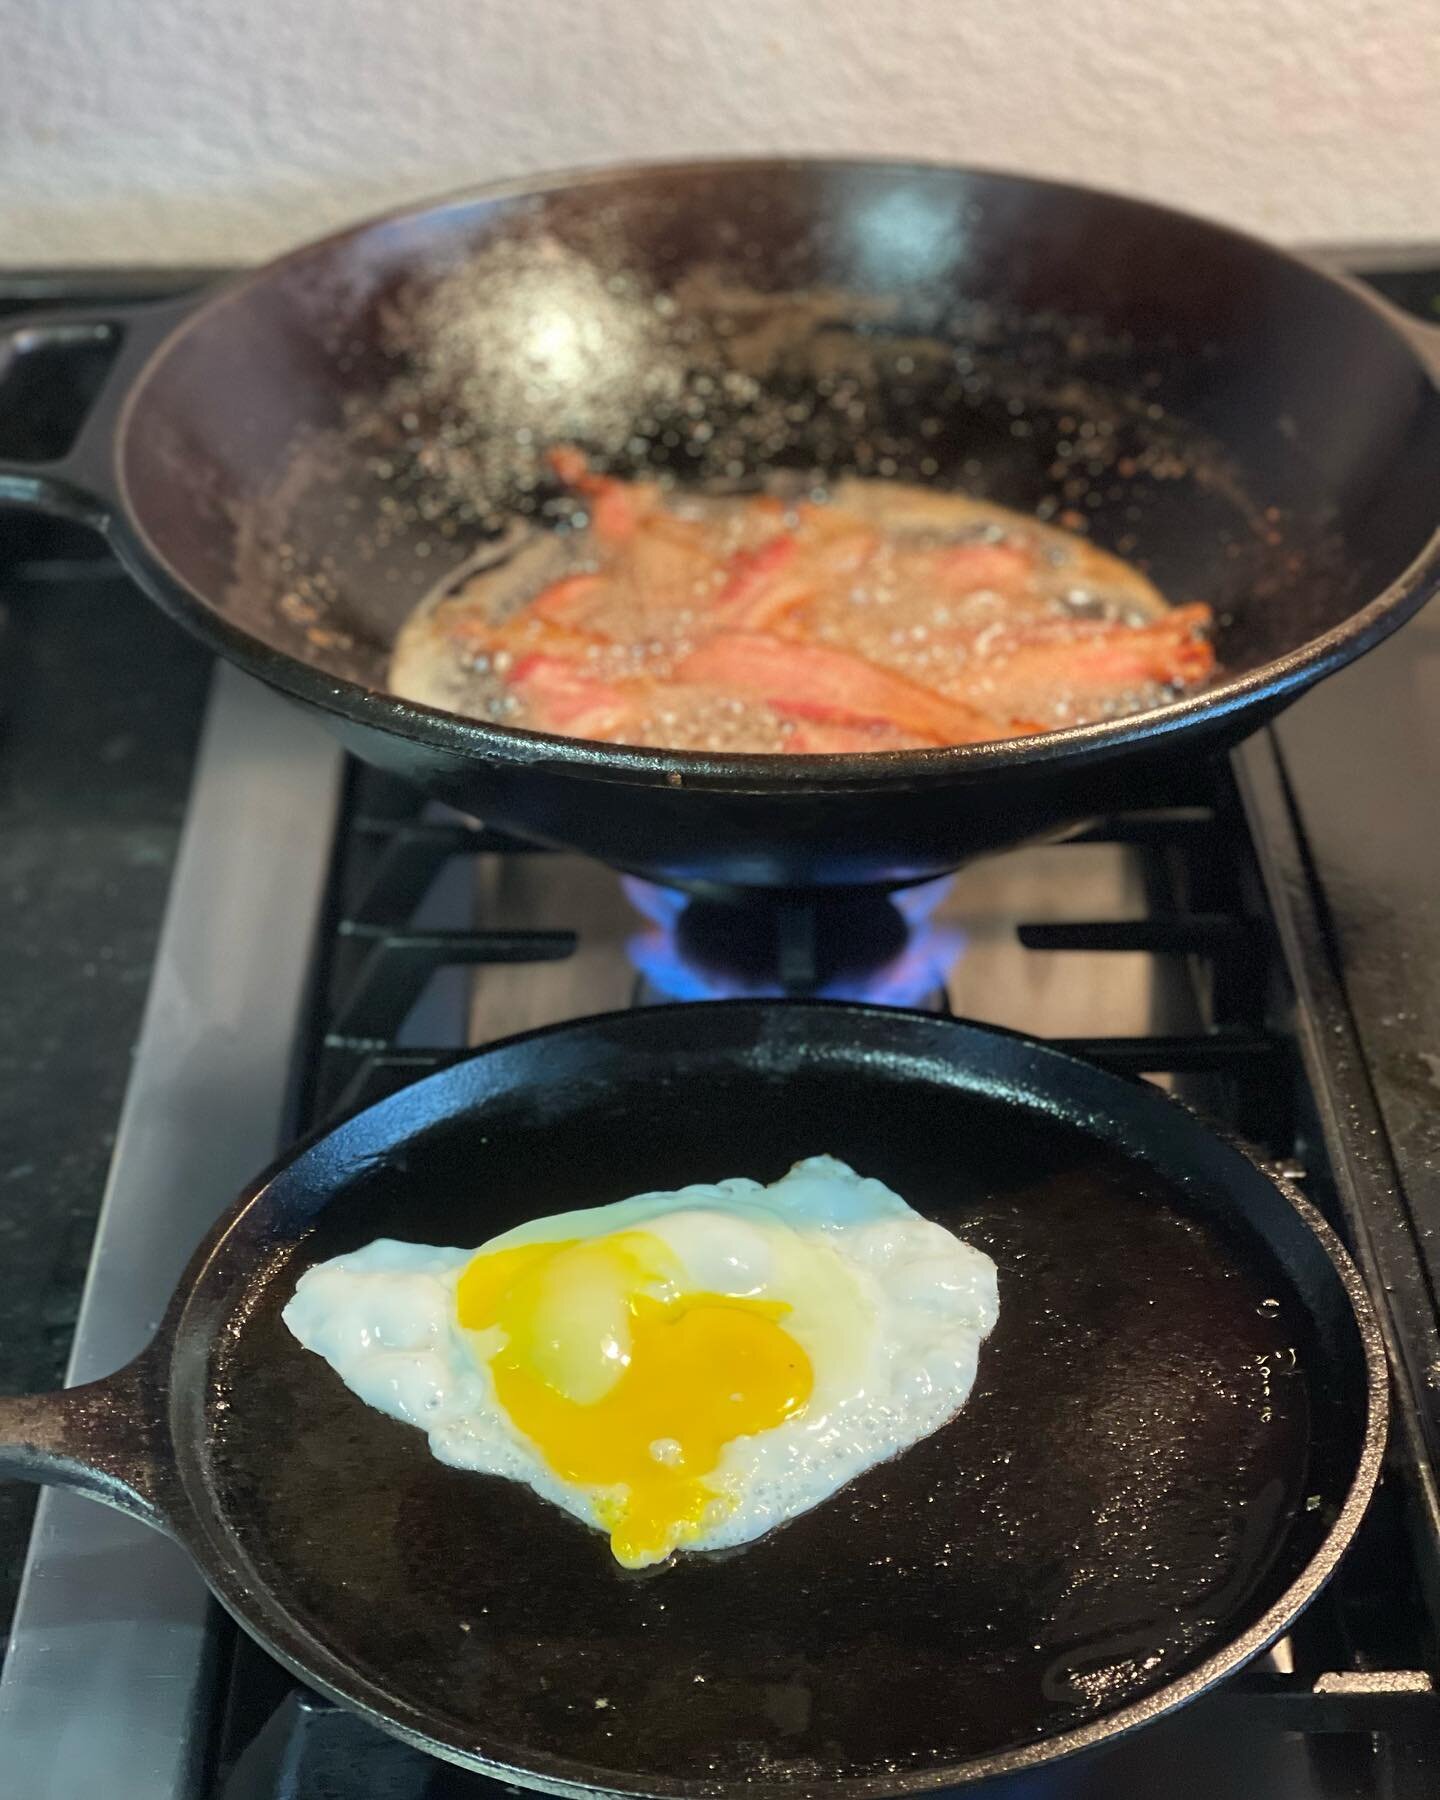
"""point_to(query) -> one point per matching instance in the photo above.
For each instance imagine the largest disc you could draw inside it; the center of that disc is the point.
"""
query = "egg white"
(890, 1308)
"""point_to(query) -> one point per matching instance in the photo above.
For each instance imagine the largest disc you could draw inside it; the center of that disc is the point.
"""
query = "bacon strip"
(560, 696)
(1087, 665)
(756, 593)
(966, 567)
(813, 681)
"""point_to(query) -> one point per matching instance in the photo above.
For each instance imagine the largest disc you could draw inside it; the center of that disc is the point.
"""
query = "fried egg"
(682, 1370)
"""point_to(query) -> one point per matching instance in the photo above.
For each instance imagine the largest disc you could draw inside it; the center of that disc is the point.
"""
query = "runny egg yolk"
(624, 1381)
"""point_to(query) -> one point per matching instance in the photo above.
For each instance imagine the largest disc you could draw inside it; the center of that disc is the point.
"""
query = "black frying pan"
(292, 462)
(1177, 1424)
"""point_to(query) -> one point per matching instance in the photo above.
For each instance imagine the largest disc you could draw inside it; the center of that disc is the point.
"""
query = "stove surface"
(327, 938)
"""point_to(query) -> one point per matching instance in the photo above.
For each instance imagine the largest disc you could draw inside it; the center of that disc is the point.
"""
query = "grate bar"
(1398, 1701)
(462, 837)
(378, 1074)
(399, 964)
(409, 863)
(1162, 825)
(1175, 934)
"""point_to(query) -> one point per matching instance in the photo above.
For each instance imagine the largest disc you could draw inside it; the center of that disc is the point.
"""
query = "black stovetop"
(1332, 1039)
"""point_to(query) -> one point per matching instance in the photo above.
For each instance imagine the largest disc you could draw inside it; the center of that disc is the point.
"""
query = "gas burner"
(853, 944)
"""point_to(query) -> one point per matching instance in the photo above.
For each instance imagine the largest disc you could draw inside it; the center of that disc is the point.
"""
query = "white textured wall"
(153, 130)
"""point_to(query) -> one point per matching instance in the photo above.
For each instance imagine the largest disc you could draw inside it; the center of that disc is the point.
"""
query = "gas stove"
(1264, 939)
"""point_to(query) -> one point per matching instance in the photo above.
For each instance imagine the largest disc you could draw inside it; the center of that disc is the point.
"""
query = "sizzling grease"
(879, 616)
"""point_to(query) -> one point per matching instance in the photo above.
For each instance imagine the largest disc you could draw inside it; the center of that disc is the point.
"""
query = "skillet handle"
(107, 1439)
(81, 485)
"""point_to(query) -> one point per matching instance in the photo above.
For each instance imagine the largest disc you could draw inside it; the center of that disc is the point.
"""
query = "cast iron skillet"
(291, 462)
(1176, 1427)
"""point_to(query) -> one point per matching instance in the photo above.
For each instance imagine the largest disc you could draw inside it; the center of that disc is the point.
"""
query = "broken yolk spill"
(624, 1381)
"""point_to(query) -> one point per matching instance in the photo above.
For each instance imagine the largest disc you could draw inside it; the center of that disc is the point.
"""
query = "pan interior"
(1162, 1429)
(324, 443)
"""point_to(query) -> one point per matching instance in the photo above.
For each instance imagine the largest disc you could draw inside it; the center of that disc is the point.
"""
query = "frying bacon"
(816, 738)
(812, 681)
(616, 507)
(1088, 666)
(893, 618)
(567, 601)
(1004, 567)
(756, 593)
(559, 695)
(666, 564)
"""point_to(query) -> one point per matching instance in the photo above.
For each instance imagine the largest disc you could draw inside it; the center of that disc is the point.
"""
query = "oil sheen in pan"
(1123, 1476)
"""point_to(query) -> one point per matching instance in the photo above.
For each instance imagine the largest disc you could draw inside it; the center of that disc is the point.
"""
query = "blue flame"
(910, 979)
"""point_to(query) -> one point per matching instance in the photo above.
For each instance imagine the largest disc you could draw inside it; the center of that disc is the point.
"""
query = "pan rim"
(198, 1524)
(636, 765)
